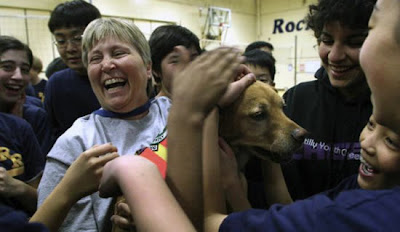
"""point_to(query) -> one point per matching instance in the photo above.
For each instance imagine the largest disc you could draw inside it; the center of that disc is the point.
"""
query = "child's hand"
(8, 185)
(200, 85)
(244, 79)
(123, 216)
(83, 176)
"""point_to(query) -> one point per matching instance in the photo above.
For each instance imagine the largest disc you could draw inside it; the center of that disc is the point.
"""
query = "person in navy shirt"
(21, 164)
(16, 60)
(68, 92)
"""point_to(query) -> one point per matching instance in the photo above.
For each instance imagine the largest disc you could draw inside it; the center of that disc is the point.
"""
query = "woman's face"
(118, 75)
(339, 51)
(380, 60)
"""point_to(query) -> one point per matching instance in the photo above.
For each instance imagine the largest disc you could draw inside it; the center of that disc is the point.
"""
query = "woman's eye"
(119, 53)
(94, 59)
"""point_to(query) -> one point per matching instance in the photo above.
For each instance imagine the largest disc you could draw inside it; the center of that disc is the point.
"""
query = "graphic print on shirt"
(157, 152)
(12, 162)
(320, 150)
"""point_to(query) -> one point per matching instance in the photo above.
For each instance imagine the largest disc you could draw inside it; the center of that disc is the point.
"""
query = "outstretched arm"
(81, 179)
(144, 190)
(196, 91)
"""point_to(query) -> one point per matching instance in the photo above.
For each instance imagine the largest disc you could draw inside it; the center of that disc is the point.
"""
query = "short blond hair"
(114, 28)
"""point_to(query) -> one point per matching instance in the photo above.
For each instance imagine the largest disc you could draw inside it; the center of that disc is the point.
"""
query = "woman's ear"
(149, 70)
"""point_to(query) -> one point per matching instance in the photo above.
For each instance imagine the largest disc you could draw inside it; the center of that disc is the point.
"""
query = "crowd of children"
(62, 165)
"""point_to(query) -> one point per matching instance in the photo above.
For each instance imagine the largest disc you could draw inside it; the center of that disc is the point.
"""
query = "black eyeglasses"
(62, 43)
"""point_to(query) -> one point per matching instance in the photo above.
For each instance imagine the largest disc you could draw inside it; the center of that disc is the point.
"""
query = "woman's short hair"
(122, 30)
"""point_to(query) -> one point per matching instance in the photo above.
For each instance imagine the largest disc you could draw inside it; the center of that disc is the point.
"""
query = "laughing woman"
(118, 61)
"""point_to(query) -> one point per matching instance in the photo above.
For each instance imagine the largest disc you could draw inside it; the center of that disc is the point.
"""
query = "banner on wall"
(281, 26)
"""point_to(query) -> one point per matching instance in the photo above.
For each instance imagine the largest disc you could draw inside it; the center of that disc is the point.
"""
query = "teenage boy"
(68, 92)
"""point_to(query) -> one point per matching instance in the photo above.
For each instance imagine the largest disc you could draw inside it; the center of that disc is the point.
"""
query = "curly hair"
(353, 14)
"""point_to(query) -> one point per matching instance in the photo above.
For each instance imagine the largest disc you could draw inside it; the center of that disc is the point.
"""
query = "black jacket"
(331, 151)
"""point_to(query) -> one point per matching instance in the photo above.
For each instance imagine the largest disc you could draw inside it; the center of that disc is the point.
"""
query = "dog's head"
(255, 124)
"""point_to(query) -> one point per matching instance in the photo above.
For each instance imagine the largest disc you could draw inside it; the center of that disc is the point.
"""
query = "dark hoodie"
(331, 151)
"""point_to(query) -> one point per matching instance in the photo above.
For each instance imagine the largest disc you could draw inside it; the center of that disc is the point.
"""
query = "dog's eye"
(259, 116)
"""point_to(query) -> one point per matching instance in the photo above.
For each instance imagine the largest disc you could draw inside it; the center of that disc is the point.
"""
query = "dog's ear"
(228, 128)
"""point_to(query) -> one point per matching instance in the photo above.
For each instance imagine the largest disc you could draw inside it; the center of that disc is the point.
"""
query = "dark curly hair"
(353, 14)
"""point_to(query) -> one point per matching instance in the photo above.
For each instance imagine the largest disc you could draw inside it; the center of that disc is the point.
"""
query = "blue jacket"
(332, 211)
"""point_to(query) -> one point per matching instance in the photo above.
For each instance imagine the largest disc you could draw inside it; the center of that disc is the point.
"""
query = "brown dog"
(256, 125)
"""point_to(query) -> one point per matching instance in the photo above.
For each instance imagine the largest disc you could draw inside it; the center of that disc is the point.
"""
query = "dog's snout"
(299, 134)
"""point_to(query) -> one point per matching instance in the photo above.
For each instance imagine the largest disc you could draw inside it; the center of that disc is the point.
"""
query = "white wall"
(21, 18)
(148, 14)
(281, 23)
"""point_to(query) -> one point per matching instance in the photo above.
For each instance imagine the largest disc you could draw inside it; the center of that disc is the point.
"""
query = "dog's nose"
(299, 134)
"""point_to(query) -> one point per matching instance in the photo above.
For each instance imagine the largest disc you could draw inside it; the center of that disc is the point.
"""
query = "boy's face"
(168, 68)
(339, 51)
(68, 42)
(380, 152)
(14, 75)
(262, 74)
(380, 60)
